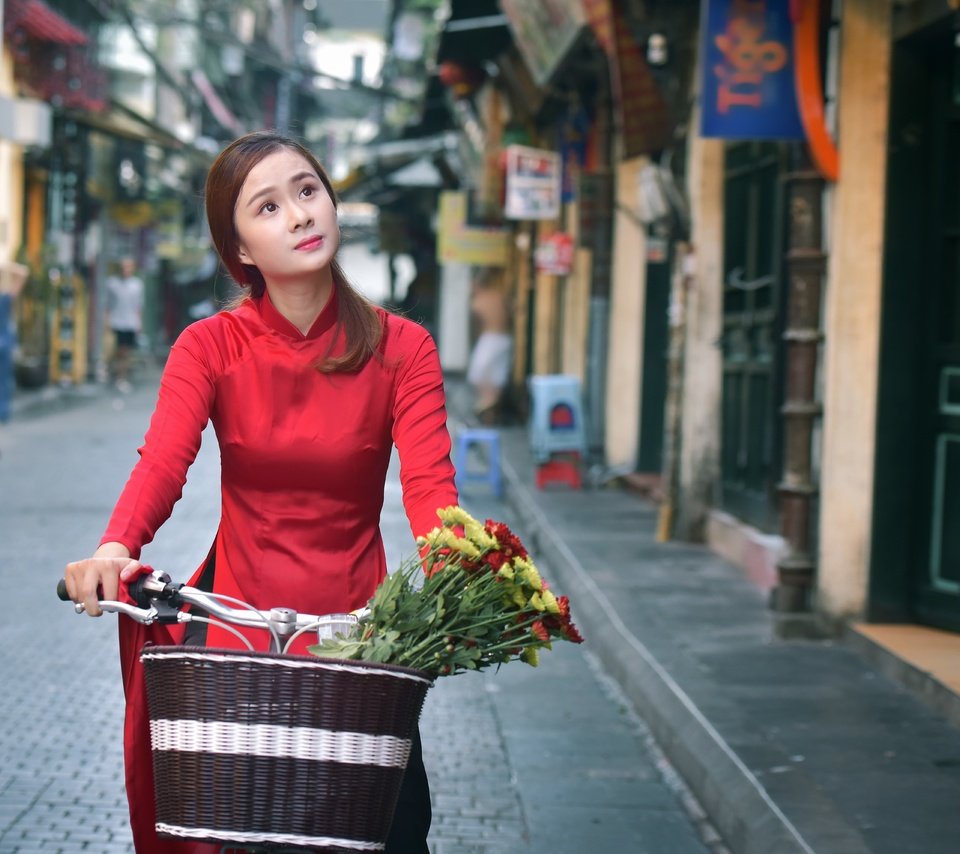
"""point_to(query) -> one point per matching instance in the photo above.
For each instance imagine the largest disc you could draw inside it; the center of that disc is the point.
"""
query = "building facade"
(764, 322)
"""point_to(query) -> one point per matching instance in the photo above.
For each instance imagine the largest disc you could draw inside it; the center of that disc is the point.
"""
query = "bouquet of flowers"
(470, 598)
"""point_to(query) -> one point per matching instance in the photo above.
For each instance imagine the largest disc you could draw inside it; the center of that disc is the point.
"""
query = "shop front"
(916, 545)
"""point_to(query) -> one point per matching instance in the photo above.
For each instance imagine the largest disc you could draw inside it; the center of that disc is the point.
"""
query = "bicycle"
(270, 750)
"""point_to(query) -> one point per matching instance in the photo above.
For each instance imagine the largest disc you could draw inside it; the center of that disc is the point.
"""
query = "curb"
(744, 813)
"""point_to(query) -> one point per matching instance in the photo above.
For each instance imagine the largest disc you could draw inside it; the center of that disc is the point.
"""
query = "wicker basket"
(278, 751)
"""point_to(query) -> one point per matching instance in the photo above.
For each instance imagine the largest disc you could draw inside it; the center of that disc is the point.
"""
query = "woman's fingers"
(93, 579)
(90, 590)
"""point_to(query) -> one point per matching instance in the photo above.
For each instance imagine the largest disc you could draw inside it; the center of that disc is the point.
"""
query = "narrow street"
(520, 760)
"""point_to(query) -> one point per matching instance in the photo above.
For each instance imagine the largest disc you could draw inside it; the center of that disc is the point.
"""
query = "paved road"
(522, 760)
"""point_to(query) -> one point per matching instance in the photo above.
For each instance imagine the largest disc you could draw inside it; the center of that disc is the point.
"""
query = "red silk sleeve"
(422, 440)
(169, 447)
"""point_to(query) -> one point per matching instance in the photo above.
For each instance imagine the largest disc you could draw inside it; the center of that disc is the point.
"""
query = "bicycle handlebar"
(160, 600)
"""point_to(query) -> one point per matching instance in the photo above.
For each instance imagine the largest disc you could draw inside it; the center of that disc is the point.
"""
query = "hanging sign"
(532, 183)
(747, 80)
(460, 242)
(554, 255)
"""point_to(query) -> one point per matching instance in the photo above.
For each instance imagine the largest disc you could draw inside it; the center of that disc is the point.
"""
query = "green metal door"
(916, 541)
(938, 595)
(752, 330)
(653, 391)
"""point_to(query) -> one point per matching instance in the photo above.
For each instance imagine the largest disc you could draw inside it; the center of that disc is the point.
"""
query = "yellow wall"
(627, 296)
(11, 177)
(852, 322)
(576, 306)
(546, 310)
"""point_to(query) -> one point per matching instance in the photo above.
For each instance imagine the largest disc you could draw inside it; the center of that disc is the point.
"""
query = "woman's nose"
(300, 217)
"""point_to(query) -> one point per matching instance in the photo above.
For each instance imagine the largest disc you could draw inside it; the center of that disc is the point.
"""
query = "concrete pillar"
(852, 316)
(703, 359)
(520, 268)
(627, 296)
(453, 318)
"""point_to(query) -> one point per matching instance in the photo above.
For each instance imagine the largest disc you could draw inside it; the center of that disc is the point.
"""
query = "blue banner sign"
(747, 73)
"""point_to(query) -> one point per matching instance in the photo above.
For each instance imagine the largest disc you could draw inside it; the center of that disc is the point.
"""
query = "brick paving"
(521, 760)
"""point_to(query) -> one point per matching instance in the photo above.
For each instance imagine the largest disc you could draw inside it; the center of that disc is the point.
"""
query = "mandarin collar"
(272, 317)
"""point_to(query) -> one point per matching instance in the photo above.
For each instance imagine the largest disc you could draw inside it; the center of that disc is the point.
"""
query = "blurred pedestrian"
(308, 386)
(125, 318)
(488, 371)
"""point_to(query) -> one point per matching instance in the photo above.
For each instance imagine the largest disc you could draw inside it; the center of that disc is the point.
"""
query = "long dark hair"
(357, 319)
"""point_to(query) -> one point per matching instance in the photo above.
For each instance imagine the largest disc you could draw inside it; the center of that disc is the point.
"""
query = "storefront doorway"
(916, 548)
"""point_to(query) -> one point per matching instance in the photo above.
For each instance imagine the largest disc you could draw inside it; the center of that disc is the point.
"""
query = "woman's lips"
(311, 242)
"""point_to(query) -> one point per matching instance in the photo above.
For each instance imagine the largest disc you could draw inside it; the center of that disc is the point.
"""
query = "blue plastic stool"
(556, 421)
(490, 439)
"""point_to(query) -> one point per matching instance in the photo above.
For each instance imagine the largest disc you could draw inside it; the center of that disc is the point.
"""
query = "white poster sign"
(533, 183)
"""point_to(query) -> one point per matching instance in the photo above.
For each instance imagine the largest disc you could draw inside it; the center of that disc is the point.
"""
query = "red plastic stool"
(560, 468)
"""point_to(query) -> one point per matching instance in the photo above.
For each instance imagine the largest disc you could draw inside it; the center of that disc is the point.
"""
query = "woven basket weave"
(278, 751)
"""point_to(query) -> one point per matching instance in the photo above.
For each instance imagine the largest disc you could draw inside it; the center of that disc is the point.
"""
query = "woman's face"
(286, 221)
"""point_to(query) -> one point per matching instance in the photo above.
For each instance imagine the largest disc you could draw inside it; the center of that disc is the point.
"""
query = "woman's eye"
(269, 207)
(306, 191)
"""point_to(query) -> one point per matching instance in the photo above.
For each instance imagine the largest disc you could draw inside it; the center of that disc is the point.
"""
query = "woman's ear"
(242, 255)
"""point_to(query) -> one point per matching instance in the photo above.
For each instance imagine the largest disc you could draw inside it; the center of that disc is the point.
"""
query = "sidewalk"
(790, 745)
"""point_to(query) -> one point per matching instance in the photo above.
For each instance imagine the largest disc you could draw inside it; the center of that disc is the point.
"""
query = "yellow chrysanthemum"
(550, 602)
(447, 539)
(478, 534)
(536, 601)
(530, 575)
(456, 515)
(530, 655)
(506, 571)
(431, 538)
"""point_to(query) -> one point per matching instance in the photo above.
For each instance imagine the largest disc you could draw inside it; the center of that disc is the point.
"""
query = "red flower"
(495, 560)
(570, 632)
(561, 623)
(540, 630)
(509, 542)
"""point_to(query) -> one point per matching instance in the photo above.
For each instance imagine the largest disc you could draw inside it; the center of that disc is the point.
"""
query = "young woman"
(308, 387)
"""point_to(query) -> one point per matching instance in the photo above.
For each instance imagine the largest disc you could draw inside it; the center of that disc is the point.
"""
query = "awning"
(420, 173)
(428, 163)
(475, 31)
(39, 21)
(121, 121)
(545, 34)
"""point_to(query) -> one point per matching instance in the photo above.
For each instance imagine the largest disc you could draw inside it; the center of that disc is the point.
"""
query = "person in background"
(308, 386)
(125, 318)
(488, 371)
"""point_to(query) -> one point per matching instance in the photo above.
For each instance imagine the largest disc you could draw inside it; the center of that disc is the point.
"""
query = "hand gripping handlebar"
(158, 599)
